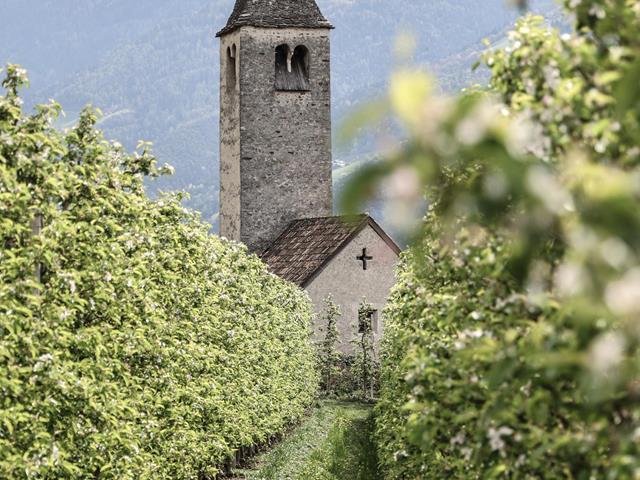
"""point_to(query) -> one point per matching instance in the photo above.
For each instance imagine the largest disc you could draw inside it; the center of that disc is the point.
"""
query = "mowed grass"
(334, 443)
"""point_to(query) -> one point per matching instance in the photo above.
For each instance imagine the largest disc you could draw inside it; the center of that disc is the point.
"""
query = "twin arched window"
(292, 68)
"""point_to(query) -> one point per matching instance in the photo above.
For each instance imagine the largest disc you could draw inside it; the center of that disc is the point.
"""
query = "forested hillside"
(152, 65)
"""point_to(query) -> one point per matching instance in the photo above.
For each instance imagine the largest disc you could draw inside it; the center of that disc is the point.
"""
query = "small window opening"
(292, 68)
(370, 323)
(231, 67)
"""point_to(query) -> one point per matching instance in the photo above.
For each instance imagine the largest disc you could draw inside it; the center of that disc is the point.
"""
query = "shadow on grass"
(334, 443)
(348, 453)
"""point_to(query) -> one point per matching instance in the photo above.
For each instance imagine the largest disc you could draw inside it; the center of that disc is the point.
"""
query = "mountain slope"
(152, 65)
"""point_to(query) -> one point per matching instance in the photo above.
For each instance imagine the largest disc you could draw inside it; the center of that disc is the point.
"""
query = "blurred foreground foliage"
(511, 340)
(133, 345)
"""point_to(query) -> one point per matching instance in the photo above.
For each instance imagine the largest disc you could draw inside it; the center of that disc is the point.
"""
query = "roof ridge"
(356, 215)
(275, 14)
(307, 245)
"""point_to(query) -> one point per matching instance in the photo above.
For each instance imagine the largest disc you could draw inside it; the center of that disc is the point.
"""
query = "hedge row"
(481, 381)
(512, 341)
(133, 344)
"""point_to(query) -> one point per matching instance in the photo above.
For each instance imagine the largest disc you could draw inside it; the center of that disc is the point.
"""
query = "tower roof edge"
(275, 14)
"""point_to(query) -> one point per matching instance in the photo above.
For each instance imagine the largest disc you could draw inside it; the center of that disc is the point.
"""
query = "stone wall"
(347, 282)
(284, 139)
(230, 138)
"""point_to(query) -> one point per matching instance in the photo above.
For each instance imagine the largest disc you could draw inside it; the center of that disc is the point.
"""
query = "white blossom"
(495, 437)
(21, 73)
(570, 279)
(615, 252)
(400, 454)
(606, 353)
(47, 357)
(597, 11)
(434, 113)
(466, 453)
(42, 362)
(403, 184)
(551, 76)
(601, 146)
(475, 125)
(544, 185)
(622, 296)
(459, 439)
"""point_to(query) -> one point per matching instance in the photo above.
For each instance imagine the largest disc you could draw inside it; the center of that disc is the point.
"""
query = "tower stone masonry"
(275, 165)
(275, 119)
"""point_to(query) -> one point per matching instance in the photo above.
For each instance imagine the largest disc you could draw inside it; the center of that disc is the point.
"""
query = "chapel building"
(276, 192)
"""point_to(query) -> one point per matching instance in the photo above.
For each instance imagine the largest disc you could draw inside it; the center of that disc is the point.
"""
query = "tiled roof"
(275, 14)
(307, 245)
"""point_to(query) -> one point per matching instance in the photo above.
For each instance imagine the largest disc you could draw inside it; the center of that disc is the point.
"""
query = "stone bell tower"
(275, 119)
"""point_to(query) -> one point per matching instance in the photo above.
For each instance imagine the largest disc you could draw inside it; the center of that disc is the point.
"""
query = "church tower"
(275, 119)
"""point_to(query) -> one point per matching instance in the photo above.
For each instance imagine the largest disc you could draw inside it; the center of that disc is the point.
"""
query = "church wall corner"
(230, 175)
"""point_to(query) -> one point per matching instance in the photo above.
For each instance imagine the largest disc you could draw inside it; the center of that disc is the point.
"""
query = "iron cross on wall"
(364, 258)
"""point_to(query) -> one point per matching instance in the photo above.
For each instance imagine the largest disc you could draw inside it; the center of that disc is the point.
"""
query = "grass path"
(334, 443)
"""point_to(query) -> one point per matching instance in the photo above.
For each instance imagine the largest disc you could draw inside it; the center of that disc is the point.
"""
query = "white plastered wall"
(348, 283)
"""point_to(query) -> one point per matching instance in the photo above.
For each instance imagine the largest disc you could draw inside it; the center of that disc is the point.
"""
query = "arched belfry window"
(292, 68)
(231, 67)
